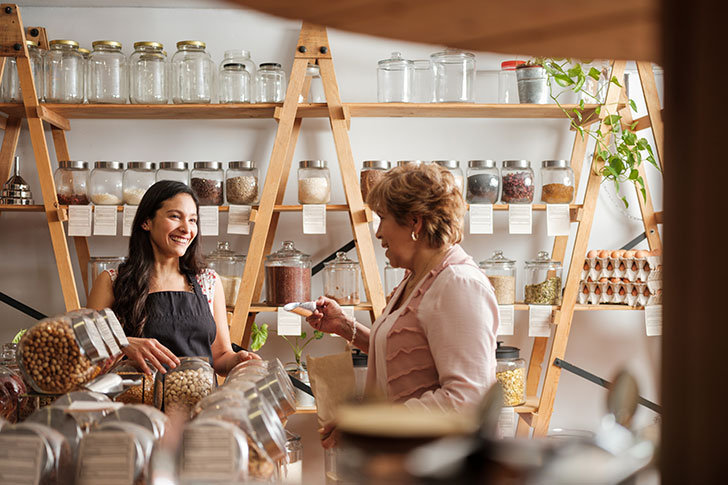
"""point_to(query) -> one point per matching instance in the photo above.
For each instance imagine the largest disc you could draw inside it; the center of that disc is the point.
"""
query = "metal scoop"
(304, 308)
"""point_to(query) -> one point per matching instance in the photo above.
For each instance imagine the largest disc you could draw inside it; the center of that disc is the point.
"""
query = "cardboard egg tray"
(620, 292)
(636, 270)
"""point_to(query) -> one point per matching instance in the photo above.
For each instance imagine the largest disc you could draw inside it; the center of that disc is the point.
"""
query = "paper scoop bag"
(332, 382)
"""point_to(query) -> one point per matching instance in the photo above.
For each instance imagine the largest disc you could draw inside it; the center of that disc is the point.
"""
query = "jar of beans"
(483, 182)
(501, 272)
(173, 171)
(372, 172)
(138, 177)
(557, 182)
(510, 371)
(186, 385)
(105, 183)
(518, 182)
(206, 181)
(287, 275)
(241, 183)
(314, 182)
(71, 179)
(453, 166)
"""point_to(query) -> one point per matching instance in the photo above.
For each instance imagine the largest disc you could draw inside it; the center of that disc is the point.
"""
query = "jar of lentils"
(453, 166)
(207, 180)
(138, 177)
(64, 73)
(372, 172)
(518, 182)
(557, 182)
(510, 371)
(71, 180)
(270, 83)
(105, 183)
(148, 74)
(287, 275)
(241, 183)
(193, 73)
(107, 73)
(186, 385)
(314, 182)
(173, 171)
(483, 182)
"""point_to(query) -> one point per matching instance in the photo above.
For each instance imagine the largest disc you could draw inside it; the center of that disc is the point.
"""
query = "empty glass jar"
(372, 172)
(270, 83)
(240, 56)
(139, 176)
(148, 74)
(71, 180)
(105, 183)
(501, 272)
(422, 81)
(518, 182)
(510, 371)
(314, 182)
(10, 87)
(206, 180)
(557, 182)
(394, 79)
(64, 73)
(241, 183)
(234, 83)
(392, 277)
(107, 73)
(193, 73)
(454, 72)
(316, 92)
(543, 281)
(99, 264)
(507, 83)
(229, 266)
(483, 182)
(453, 166)
(173, 171)
(341, 280)
(287, 275)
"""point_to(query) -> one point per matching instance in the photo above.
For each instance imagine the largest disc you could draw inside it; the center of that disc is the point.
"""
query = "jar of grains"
(518, 182)
(138, 177)
(543, 281)
(241, 183)
(71, 180)
(173, 171)
(501, 272)
(206, 181)
(510, 371)
(287, 275)
(142, 393)
(229, 266)
(372, 172)
(483, 182)
(557, 182)
(185, 385)
(314, 182)
(453, 166)
(341, 280)
(105, 183)
(107, 73)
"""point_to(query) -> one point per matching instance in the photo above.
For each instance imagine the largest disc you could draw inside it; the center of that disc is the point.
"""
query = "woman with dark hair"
(169, 304)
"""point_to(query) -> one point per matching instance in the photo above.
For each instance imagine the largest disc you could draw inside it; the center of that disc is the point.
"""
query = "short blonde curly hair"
(428, 191)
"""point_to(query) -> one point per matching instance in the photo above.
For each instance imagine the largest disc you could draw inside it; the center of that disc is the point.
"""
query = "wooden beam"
(10, 145)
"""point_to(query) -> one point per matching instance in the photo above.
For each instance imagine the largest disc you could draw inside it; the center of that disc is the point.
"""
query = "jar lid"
(385, 164)
(516, 164)
(360, 359)
(498, 260)
(271, 65)
(288, 253)
(506, 352)
(241, 164)
(456, 55)
(447, 163)
(267, 428)
(31, 43)
(89, 338)
(396, 61)
(173, 165)
(402, 163)
(191, 43)
(341, 262)
(84, 51)
(542, 260)
(422, 64)
(312, 164)
(230, 53)
(106, 43)
(555, 164)
(71, 43)
(223, 253)
(77, 164)
(141, 165)
(234, 66)
(314, 69)
(146, 43)
(511, 65)
(109, 165)
(208, 165)
(481, 164)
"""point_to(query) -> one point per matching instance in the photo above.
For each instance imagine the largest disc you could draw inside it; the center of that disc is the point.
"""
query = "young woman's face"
(397, 241)
(174, 226)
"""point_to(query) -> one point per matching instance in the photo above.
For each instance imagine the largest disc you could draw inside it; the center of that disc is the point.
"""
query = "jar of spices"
(454, 72)
(543, 281)
(10, 91)
(314, 182)
(64, 73)
(185, 385)
(392, 277)
(394, 79)
(234, 83)
(148, 83)
(105, 183)
(483, 182)
(107, 73)
(287, 275)
(372, 172)
(173, 171)
(557, 182)
(71, 180)
(193, 73)
(229, 267)
(207, 180)
(501, 272)
(241, 182)
(138, 177)
(510, 371)
(453, 166)
(518, 182)
(270, 83)
(507, 82)
(341, 280)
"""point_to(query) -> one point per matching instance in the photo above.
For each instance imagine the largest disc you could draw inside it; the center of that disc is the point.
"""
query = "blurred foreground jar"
(341, 280)
(511, 374)
(185, 385)
(173, 171)
(71, 180)
(148, 82)
(270, 83)
(10, 87)
(107, 73)
(454, 76)
(138, 177)
(64, 73)
(106, 182)
(193, 73)
(287, 275)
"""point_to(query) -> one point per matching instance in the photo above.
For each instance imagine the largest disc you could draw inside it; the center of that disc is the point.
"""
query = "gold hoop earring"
(414, 236)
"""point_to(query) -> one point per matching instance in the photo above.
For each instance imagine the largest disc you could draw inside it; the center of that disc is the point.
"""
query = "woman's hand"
(328, 435)
(244, 355)
(328, 317)
(141, 349)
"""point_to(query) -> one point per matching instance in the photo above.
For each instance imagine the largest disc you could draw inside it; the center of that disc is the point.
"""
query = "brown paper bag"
(332, 382)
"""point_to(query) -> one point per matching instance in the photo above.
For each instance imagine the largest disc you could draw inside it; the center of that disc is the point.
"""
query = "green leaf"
(594, 73)
(577, 112)
(597, 110)
(633, 104)
(581, 104)
(615, 81)
(634, 174)
(633, 126)
(629, 138)
(19, 335)
(612, 120)
(259, 335)
(616, 164)
(318, 335)
(626, 204)
(643, 144)
(644, 193)
(563, 80)
(575, 71)
(303, 335)
(577, 87)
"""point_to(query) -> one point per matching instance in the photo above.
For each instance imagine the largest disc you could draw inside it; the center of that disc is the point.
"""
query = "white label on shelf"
(288, 323)
(79, 220)
(239, 219)
(506, 314)
(520, 219)
(20, 459)
(106, 458)
(558, 220)
(539, 320)
(375, 221)
(105, 220)
(129, 213)
(209, 220)
(314, 218)
(653, 320)
(507, 420)
(208, 453)
(481, 218)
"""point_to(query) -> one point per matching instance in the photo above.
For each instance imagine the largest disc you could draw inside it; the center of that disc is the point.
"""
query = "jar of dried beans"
(510, 371)
(543, 281)
(557, 182)
(71, 179)
(501, 272)
(105, 183)
(206, 181)
(518, 182)
(186, 385)
(453, 166)
(483, 182)
(287, 275)
(314, 182)
(372, 172)
(241, 183)
(341, 280)
(138, 177)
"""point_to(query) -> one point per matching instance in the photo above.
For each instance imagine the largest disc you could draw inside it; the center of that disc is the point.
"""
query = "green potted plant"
(298, 368)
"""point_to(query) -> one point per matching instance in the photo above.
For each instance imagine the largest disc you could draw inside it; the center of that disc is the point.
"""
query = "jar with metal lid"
(394, 79)
(402, 163)
(64, 73)
(234, 83)
(173, 171)
(225, 441)
(292, 467)
(71, 180)
(193, 73)
(422, 81)
(269, 435)
(277, 387)
(454, 72)
(270, 83)
(185, 385)
(518, 182)
(557, 182)
(543, 280)
(314, 182)
(507, 83)
(141, 393)
(207, 180)
(241, 182)
(453, 166)
(510, 371)
(99, 451)
(138, 177)
(107, 73)
(287, 275)
(148, 83)
(392, 277)
(99, 264)
(501, 272)
(105, 183)
(229, 267)
(372, 172)
(341, 280)
(483, 182)
(52, 465)
(10, 91)
(148, 417)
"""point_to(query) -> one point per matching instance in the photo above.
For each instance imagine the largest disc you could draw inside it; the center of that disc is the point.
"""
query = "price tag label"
(239, 219)
(539, 320)
(79, 220)
(507, 420)
(506, 317)
(20, 459)
(106, 458)
(108, 337)
(314, 218)
(105, 220)
(481, 218)
(520, 219)
(209, 453)
(558, 221)
(209, 220)
(653, 320)
(288, 323)
(129, 213)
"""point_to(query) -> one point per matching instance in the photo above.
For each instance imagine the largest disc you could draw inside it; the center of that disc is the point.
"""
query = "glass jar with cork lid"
(543, 280)
(341, 280)
(314, 182)
(501, 272)
(557, 182)
(287, 275)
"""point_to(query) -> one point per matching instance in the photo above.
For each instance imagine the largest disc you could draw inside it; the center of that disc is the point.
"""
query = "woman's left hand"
(244, 355)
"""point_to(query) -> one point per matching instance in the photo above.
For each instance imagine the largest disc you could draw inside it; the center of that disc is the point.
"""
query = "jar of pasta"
(511, 374)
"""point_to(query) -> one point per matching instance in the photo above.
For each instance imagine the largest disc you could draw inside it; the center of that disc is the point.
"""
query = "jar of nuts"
(511, 373)
(185, 385)
(143, 393)
(372, 172)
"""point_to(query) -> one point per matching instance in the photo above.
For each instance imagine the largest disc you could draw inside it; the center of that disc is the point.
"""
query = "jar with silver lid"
(106, 183)
(402, 163)
(483, 180)
(557, 182)
(193, 73)
(234, 83)
(148, 83)
(501, 272)
(394, 79)
(372, 172)
(341, 280)
(138, 177)
(453, 166)
(10, 91)
(71, 180)
(173, 171)
(107, 73)
(270, 83)
(454, 72)
(64, 73)
(518, 182)
(314, 182)
(207, 180)
(229, 266)
(241, 183)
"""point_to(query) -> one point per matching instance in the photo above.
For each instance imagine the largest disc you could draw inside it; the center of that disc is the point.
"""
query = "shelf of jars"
(263, 308)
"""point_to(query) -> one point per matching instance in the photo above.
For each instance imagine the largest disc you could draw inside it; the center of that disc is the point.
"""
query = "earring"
(414, 236)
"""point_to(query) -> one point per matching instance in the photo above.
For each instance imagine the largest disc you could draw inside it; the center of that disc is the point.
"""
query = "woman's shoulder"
(113, 273)
(207, 274)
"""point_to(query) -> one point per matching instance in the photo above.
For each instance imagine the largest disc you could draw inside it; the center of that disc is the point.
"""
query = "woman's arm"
(329, 318)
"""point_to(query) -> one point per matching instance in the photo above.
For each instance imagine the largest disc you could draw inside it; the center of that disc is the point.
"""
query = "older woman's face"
(397, 241)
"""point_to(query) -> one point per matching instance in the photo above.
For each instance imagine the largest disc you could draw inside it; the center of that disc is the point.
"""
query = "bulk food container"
(270, 83)
(287, 275)
(394, 79)
(314, 182)
(101, 451)
(138, 177)
(30, 450)
(229, 267)
(64, 73)
(207, 181)
(10, 87)
(518, 182)
(341, 280)
(241, 183)
(372, 172)
(483, 182)
(511, 374)
(543, 281)
(453, 166)
(193, 73)
(107, 73)
(173, 171)
(105, 183)
(501, 272)
(142, 393)
(71, 180)
(148, 417)
(557, 182)
(213, 451)
(148, 83)
(185, 385)
(454, 76)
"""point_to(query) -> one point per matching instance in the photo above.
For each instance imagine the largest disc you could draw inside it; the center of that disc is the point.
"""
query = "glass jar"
(71, 180)
(483, 182)
(314, 182)
(138, 177)
(55, 465)
(85, 53)
(99, 451)
(557, 182)
(392, 278)
(207, 180)
(372, 172)
(107, 73)
(229, 267)
(105, 183)
(224, 439)
(292, 469)
(268, 431)
(185, 385)
(543, 281)
(64, 73)
(422, 81)
(518, 182)
(99, 264)
(148, 417)
(270, 83)
(360, 361)
(234, 83)
(240, 56)
(510, 371)
(316, 92)
(148, 82)
(453, 166)
(193, 73)
(10, 91)
(241, 183)
(454, 72)
(341, 280)
(177, 171)
(11, 382)
(287, 275)
(507, 83)
(143, 393)
(501, 272)
(402, 163)
(394, 79)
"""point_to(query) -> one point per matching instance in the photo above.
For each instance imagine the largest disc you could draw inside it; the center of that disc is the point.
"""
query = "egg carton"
(632, 269)
(618, 292)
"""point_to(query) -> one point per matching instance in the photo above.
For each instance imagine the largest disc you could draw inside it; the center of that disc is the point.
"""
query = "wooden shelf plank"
(21, 208)
(460, 110)
(530, 407)
(606, 307)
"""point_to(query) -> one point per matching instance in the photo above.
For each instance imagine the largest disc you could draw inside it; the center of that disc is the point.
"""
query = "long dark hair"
(131, 287)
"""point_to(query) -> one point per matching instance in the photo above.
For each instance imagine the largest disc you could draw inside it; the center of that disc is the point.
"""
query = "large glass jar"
(454, 76)
(392, 277)
(372, 172)
(453, 166)
(341, 280)
(107, 73)
(138, 177)
(144, 415)
(207, 181)
(99, 264)
(64, 73)
(394, 79)
(241, 183)
(234, 83)
(240, 56)
(10, 91)
(148, 83)
(55, 464)
(422, 81)
(292, 468)
(287, 275)
(314, 182)
(71, 180)
(557, 182)
(510, 370)
(501, 272)
(224, 437)
(543, 281)
(270, 83)
(229, 266)
(173, 171)
(185, 385)
(12, 383)
(507, 83)
(105, 183)
(483, 182)
(99, 451)
(193, 73)
(518, 182)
